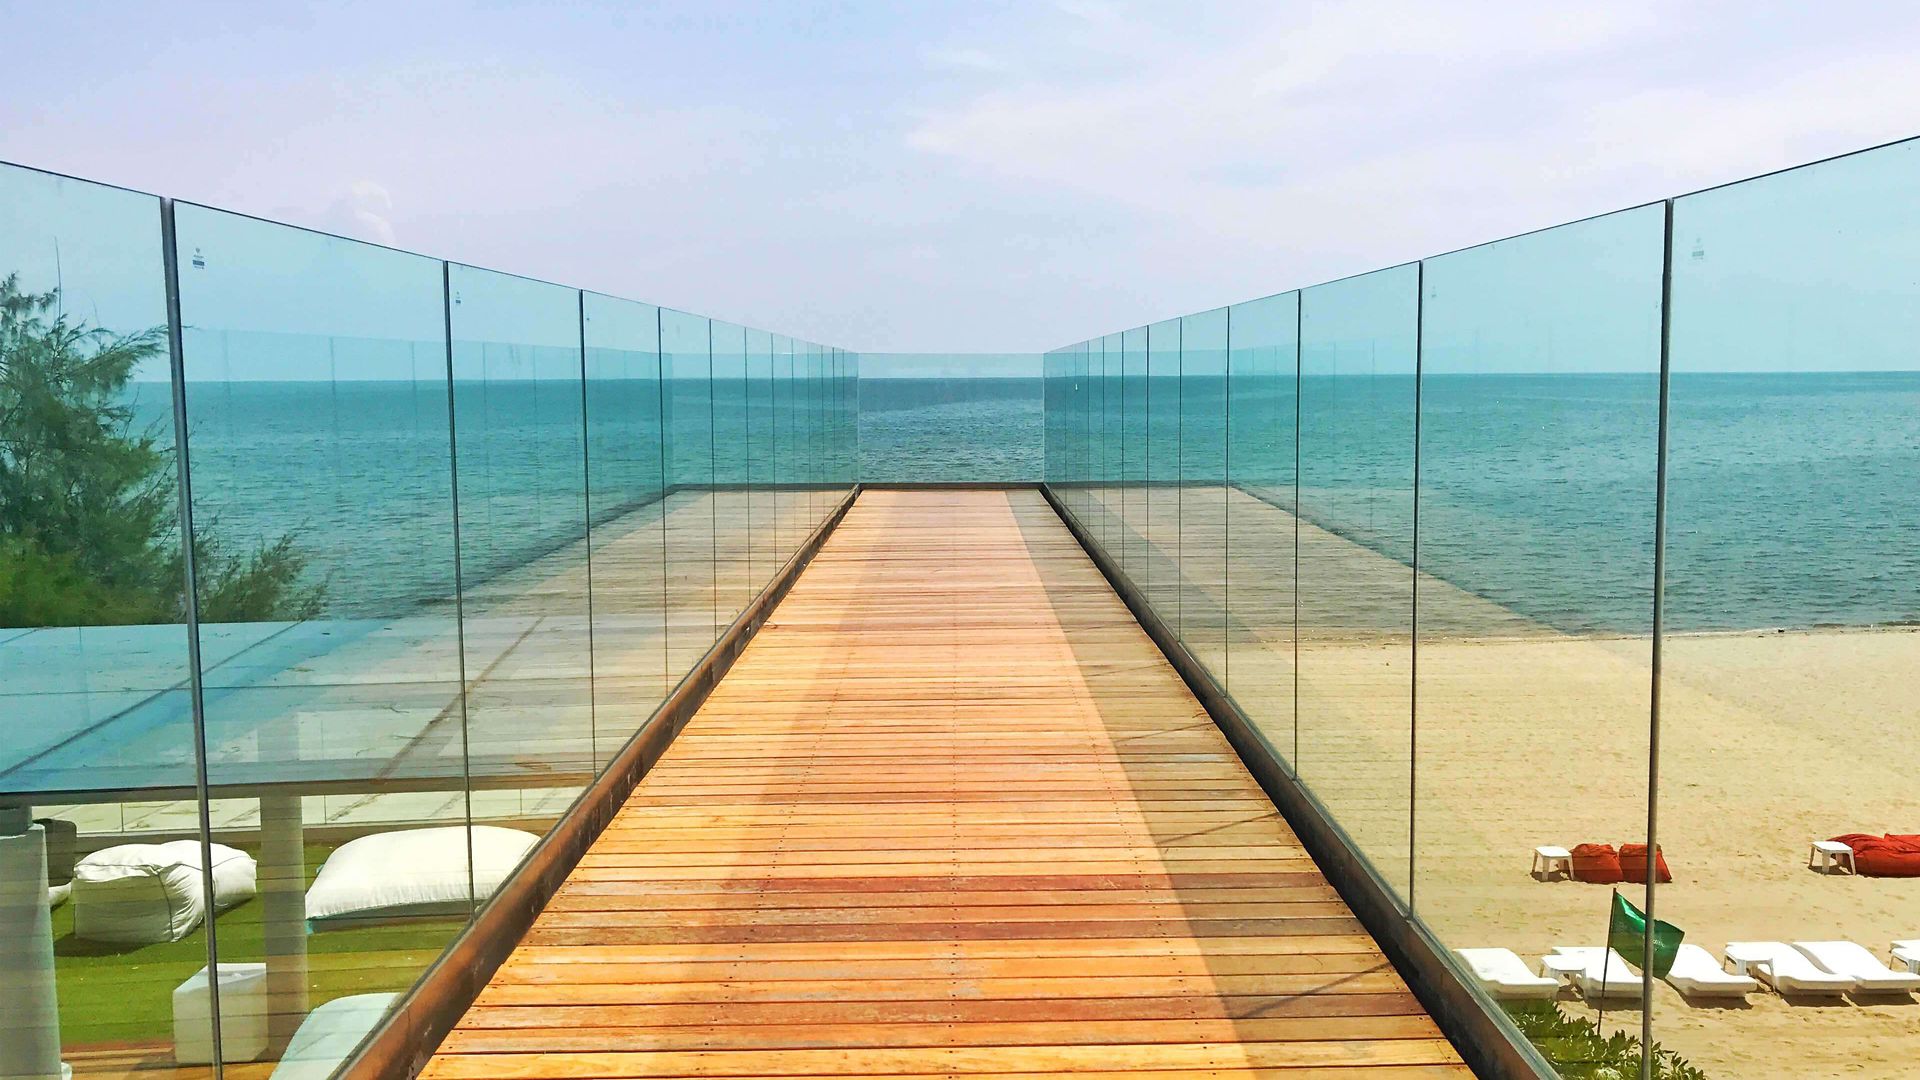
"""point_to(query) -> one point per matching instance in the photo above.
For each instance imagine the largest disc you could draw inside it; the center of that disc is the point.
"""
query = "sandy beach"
(1526, 736)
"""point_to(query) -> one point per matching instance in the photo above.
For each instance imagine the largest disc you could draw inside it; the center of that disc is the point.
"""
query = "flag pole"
(1606, 962)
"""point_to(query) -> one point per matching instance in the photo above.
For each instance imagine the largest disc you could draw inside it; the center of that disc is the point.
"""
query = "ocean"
(1794, 499)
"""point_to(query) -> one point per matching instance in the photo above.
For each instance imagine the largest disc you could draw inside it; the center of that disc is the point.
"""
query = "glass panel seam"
(176, 367)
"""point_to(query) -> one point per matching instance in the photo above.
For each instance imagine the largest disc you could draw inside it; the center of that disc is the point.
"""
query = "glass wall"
(1160, 524)
(1263, 530)
(1203, 487)
(371, 581)
(1539, 435)
(1436, 540)
(626, 486)
(732, 508)
(98, 747)
(1790, 696)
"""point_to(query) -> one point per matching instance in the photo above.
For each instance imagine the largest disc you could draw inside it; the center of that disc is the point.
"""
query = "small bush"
(1579, 1052)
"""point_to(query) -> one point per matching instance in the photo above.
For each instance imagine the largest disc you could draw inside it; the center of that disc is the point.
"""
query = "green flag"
(1627, 935)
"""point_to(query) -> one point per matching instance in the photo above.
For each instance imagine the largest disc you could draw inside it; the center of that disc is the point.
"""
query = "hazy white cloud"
(363, 212)
(1361, 134)
(965, 60)
(951, 176)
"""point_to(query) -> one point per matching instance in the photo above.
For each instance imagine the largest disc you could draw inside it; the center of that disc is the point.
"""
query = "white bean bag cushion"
(413, 872)
(328, 1034)
(236, 877)
(142, 894)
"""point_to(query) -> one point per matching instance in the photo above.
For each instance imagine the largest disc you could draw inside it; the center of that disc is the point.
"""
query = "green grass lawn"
(117, 995)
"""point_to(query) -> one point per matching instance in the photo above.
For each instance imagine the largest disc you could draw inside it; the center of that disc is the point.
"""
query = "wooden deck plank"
(951, 813)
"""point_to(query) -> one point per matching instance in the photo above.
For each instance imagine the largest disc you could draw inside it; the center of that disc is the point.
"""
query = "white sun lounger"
(1696, 973)
(1597, 972)
(1785, 969)
(1846, 958)
(1906, 954)
(1504, 975)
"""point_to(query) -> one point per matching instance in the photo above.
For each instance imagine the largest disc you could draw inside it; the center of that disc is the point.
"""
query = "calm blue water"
(1794, 499)
(930, 430)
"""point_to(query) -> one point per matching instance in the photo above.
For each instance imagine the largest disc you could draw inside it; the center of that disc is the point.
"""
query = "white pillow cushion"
(141, 894)
(136, 894)
(235, 874)
(328, 1034)
(414, 872)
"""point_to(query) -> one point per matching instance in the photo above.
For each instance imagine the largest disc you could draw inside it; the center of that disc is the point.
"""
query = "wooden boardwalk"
(950, 814)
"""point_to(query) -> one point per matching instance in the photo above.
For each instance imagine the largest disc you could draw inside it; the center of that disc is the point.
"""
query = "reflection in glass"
(1133, 462)
(686, 370)
(519, 436)
(732, 512)
(625, 488)
(97, 747)
(1262, 417)
(1203, 488)
(1791, 677)
(1161, 526)
(1540, 364)
(788, 498)
(316, 392)
(1357, 398)
(1106, 497)
(765, 555)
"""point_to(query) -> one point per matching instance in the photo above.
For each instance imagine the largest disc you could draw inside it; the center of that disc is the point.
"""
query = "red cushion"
(1892, 855)
(1886, 862)
(1596, 863)
(1633, 864)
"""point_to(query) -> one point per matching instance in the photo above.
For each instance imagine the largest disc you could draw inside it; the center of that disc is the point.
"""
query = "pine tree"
(89, 529)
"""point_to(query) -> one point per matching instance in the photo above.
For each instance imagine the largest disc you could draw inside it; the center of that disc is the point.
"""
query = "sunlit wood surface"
(951, 813)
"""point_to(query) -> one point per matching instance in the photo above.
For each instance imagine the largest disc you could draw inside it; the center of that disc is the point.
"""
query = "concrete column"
(283, 900)
(30, 1035)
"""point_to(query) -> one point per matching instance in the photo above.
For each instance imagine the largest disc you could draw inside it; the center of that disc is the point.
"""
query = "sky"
(934, 177)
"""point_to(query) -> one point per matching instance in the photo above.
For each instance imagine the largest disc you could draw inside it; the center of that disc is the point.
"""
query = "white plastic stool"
(1547, 859)
(1828, 854)
(243, 1016)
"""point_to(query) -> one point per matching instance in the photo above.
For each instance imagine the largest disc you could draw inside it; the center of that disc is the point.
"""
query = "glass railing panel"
(322, 482)
(1791, 691)
(1092, 373)
(625, 489)
(520, 444)
(1085, 442)
(1161, 524)
(789, 496)
(1133, 462)
(1105, 496)
(1055, 417)
(806, 364)
(1539, 422)
(686, 369)
(732, 507)
(1357, 398)
(850, 422)
(1203, 488)
(843, 432)
(933, 417)
(764, 557)
(97, 746)
(820, 442)
(1262, 418)
(1073, 432)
